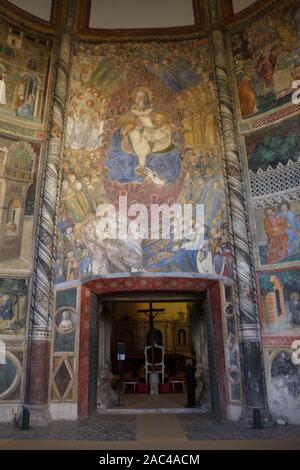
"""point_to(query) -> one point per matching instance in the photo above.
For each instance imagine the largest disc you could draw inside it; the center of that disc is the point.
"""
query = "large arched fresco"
(142, 123)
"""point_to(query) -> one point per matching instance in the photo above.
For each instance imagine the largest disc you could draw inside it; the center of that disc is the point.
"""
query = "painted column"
(254, 389)
(43, 275)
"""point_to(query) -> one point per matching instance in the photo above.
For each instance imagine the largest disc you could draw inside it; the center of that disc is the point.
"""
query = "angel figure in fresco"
(142, 145)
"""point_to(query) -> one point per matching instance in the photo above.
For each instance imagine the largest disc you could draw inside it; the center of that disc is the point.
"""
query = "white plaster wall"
(63, 411)
(234, 412)
(141, 14)
(40, 8)
(7, 412)
(239, 5)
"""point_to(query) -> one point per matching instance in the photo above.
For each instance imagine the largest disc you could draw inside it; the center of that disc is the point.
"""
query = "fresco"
(273, 154)
(273, 146)
(141, 123)
(278, 230)
(18, 175)
(24, 67)
(284, 386)
(65, 320)
(267, 59)
(13, 306)
(280, 302)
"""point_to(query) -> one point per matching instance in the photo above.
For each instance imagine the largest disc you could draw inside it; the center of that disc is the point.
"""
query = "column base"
(106, 396)
(247, 417)
(39, 415)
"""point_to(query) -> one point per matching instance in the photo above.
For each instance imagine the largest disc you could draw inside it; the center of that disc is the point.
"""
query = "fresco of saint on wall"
(24, 67)
(278, 229)
(267, 59)
(280, 301)
(18, 174)
(273, 155)
(13, 306)
(141, 123)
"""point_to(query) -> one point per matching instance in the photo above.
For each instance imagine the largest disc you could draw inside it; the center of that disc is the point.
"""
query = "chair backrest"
(159, 360)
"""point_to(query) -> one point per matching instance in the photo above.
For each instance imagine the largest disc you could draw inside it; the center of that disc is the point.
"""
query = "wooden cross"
(151, 314)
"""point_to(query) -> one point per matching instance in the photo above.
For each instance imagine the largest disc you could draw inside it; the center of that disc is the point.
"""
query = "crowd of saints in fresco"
(267, 59)
(141, 123)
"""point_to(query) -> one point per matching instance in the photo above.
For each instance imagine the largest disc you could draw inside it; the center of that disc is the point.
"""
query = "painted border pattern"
(273, 117)
(147, 284)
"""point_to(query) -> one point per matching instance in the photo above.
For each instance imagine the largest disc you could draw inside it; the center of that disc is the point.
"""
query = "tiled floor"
(147, 401)
(152, 431)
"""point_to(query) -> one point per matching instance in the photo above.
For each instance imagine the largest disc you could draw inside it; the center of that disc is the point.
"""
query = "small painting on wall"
(280, 302)
(13, 306)
(278, 230)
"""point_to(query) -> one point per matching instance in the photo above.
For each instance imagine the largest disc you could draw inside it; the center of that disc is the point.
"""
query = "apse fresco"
(267, 59)
(280, 302)
(141, 123)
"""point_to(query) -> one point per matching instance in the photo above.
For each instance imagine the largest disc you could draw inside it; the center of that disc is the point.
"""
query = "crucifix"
(151, 314)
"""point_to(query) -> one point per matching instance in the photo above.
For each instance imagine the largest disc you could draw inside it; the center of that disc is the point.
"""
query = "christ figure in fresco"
(142, 145)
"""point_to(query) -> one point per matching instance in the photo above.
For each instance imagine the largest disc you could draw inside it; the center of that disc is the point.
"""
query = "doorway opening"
(160, 339)
(186, 330)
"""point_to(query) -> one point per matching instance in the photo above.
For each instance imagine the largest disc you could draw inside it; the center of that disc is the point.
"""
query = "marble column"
(43, 274)
(254, 388)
